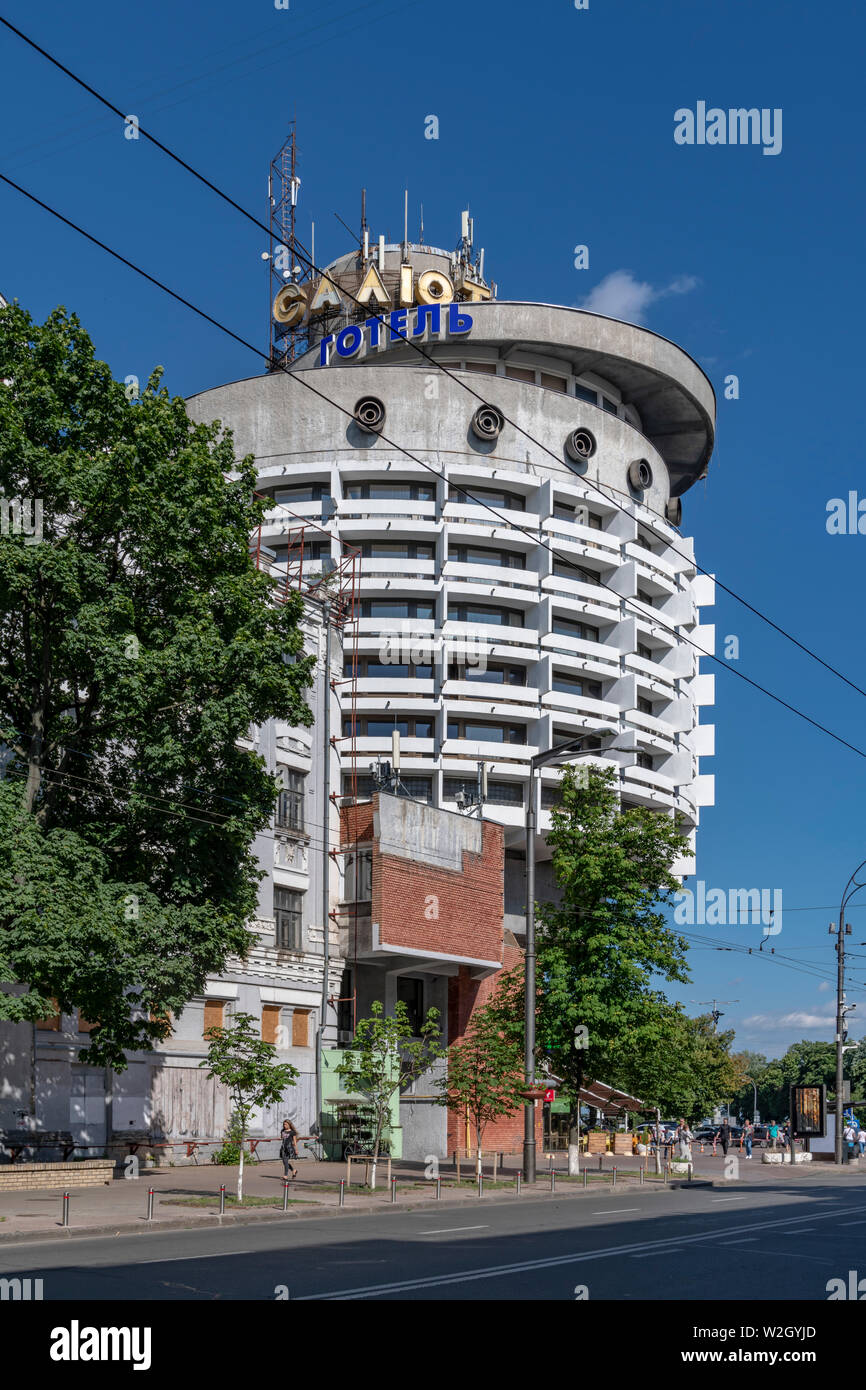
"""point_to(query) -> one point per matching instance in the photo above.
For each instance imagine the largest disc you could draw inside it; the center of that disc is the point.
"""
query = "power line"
(300, 378)
(417, 347)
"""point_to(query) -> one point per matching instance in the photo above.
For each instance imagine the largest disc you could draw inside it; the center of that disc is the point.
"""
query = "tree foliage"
(485, 1075)
(386, 1056)
(240, 1058)
(138, 646)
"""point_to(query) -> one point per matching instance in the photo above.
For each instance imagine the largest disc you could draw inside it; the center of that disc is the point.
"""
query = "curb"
(143, 1227)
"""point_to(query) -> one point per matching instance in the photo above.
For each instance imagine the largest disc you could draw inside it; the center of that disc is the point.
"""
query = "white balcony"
(497, 516)
(505, 582)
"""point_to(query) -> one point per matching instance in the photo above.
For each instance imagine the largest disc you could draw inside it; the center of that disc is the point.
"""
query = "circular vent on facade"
(580, 445)
(674, 510)
(487, 422)
(640, 475)
(370, 414)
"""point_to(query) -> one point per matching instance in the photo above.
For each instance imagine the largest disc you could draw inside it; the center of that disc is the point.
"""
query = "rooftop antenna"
(405, 223)
(285, 250)
(421, 228)
(365, 231)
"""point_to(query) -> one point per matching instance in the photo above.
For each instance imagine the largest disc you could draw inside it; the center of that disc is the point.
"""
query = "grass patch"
(276, 1202)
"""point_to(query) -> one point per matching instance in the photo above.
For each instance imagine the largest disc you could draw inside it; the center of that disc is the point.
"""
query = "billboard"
(809, 1111)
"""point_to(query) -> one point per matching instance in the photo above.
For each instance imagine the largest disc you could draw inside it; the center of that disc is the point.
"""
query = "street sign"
(808, 1110)
(550, 1094)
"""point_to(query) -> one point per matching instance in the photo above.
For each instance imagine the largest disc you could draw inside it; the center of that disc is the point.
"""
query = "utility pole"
(715, 1012)
(841, 1152)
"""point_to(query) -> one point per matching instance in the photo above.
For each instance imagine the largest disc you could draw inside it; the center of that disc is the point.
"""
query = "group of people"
(854, 1135)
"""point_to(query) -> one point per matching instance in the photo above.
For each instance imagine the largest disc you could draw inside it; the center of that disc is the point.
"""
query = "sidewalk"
(189, 1196)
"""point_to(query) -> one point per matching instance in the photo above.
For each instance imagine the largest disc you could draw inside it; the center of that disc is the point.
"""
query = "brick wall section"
(470, 924)
(425, 907)
(20, 1177)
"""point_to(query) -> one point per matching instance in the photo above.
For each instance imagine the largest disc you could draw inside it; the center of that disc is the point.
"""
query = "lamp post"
(755, 1106)
(851, 887)
(563, 751)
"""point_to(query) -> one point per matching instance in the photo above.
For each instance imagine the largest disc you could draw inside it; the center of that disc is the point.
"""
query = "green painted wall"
(334, 1090)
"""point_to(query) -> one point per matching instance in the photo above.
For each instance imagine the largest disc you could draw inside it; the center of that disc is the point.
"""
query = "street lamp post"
(851, 887)
(755, 1106)
(566, 751)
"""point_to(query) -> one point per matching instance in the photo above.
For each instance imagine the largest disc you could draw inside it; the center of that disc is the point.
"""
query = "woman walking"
(288, 1151)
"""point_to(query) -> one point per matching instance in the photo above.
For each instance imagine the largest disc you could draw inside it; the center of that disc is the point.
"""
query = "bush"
(229, 1152)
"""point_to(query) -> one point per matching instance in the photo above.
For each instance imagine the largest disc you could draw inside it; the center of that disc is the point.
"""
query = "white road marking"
(449, 1230)
(182, 1259)
(613, 1211)
(741, 1198)
(553, 1262)
(650, 1254)
(744, 1240)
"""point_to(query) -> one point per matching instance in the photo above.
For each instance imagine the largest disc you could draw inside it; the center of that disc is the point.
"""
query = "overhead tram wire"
(299, 378)
(435, 362)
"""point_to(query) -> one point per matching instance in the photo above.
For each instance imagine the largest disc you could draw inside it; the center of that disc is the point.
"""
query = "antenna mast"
(288, 258)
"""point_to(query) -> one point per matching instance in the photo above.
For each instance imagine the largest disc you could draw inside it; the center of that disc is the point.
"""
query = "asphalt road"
(739, 1243)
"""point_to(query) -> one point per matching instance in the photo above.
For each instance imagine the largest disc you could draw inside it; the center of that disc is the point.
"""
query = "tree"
(386, 1056)
(605, 944)
(239, 1058)
(485, 1075)
(138, 647)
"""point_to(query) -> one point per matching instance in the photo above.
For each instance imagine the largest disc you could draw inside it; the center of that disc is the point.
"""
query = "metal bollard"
(600, 1162)
(585, 1176)
(552, 1179)
(641, 1176)
(342, 1192)
(666, 1172)
(480, 1184)
(222, 1200)
(286, 1193)
(393, 1189)
(550, 1164)
(64, 1220)
(613, 1177)
(519, 1182)
(438, 1189)
(150, 1204)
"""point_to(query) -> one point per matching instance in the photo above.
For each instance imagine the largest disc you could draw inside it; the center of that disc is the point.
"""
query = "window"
(301, 492)
(646, 761)
(290, 801)
(570, 627)
(566, 570)
(481, 555)
(370, 668)
(520, 373)
(358, 886)
(493, 497)
(486, 731)
(398, 550)
(497, 675)
(576, 685)
(363, 786)
(418, 788)
(411, 993)
(397, 608)
(368, 726)
(645, 652)
(586, 393)
(484, 613)
(85, 1025)
(644, 597)
(271, 1023)
(300, 1028)
(398, 492)
(488, 368)
(590, 743)
(550, 797)
(213, 1015)
(609, 405)
(311, 550)
(498, 793)
(554, 383)
(579, 515)
(344, 1004)
(644, 706)
(288, 907)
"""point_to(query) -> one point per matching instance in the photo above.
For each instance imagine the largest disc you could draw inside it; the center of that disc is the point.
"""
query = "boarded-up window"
(85, 1025)
(51, 1021)
(213, 1015)
(301, 1028)
(271, 1023)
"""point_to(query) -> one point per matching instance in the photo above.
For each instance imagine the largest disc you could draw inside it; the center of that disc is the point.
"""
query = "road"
(766, 1242)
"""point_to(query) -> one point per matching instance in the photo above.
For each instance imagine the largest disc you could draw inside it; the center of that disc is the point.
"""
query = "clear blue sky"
(556, 128)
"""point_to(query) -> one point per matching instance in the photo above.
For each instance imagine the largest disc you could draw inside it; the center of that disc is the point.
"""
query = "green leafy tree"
(138, 647)
(485, 1075)
(605, 946)
(386, 1057)
(239, 1058)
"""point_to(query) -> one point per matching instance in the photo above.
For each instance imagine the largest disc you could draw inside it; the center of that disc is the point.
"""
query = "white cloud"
(621, 296)
(777, 1023)
(824, 986)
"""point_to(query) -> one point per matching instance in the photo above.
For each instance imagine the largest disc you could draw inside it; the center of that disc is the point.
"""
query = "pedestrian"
(773, 1133)
(724, 1137)
(684, 1139)
(861, 1140)
(850, 1134)
(288, 1151)
(748, 1136)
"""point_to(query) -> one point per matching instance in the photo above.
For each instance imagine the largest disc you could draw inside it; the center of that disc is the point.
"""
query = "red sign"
(550, 1094)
